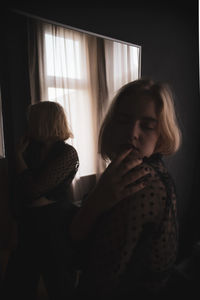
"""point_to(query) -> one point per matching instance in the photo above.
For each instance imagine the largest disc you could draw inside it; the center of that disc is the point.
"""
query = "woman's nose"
(135, 131)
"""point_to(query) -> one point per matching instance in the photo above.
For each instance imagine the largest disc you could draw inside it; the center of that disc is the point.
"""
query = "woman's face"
(135, 125)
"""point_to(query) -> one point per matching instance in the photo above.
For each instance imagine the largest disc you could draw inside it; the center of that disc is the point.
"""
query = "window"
(67, 52)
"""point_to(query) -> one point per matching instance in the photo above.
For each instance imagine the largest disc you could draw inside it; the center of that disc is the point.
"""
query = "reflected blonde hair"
(170, 136)
(47, 121)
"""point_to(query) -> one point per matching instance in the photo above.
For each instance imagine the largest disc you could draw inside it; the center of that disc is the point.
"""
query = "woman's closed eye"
(148, 125)
(145, 123)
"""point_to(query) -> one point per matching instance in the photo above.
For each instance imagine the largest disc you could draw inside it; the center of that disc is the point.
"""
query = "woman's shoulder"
(160, 173)
(156, 165)
(63, 154)
(154, 184)
(65, 148)
(70, 150)
(154, 189)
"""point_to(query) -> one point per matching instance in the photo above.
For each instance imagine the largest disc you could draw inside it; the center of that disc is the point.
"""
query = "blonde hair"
(169, 139)
(47, 121)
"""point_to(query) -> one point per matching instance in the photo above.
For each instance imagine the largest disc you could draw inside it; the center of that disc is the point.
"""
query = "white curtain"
(122, 64)
(81, 72)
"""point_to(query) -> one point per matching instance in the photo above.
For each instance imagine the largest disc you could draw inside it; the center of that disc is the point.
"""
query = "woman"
(129, 222)
(45, 168)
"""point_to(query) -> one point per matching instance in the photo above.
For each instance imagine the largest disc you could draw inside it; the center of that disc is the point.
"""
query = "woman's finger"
(129, 191)
(127, 165)
(126, 161)
(22, 144)
(133, 176)
(117, 160)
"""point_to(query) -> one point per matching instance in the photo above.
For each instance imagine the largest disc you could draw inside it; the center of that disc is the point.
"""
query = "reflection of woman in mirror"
(46, 166)
(129, 220)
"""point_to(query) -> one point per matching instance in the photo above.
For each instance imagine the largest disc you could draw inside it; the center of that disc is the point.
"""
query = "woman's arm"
(84, 219)
(117, 182)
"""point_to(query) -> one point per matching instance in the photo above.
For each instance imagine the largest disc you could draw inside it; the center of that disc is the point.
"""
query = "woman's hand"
(21, 147)
(119, 181)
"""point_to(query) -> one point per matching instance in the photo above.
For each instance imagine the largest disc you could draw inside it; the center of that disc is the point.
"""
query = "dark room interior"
(168, 35)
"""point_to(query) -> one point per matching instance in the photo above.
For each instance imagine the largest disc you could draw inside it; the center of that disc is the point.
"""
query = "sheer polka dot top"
(141, 232)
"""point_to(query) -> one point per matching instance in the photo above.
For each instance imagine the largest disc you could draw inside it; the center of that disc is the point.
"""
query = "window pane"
(62, 52)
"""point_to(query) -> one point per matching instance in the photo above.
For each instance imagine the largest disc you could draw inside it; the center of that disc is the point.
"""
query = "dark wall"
(168, 34)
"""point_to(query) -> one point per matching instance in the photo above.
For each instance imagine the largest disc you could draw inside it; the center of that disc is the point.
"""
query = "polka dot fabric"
(39, 179)
(141, 232)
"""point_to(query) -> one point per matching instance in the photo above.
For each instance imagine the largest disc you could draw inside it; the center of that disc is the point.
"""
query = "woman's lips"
(120, 148)
(124, 147)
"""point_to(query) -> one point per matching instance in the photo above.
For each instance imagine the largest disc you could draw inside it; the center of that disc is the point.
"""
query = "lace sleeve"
(34, 184)
(119, 233)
